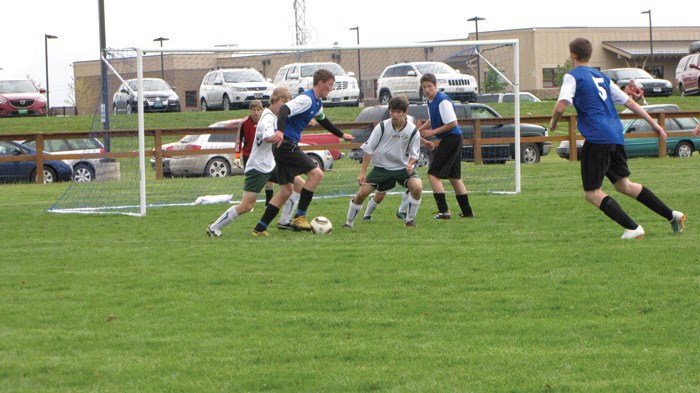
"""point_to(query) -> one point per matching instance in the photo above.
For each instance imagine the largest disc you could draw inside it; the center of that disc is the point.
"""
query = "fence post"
(477, 142)
(573, 148)
(40, 158)
(158, 154)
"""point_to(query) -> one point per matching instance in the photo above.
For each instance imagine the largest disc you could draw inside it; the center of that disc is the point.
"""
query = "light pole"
(651, 43)
(359, 70)
(47, 37)
(161, 39)
(476, 20)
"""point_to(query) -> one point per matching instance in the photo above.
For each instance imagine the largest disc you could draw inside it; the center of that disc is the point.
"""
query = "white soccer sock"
(353, 211)
(225, 219)
(371, 206)
(289, 207)
(412, 207)
(404, 202)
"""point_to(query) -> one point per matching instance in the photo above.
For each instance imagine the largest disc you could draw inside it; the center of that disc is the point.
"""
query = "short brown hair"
(398, 103)
(428, 78)
(280, 93)
(581, 48)
(322, 75)
(255, 104)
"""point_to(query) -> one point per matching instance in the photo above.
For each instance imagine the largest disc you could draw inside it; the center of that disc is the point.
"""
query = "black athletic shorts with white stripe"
(291, 161)
(447, 158)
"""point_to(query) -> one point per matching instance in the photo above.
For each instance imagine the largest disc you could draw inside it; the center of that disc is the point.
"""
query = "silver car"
(218, 165)
(157, 94)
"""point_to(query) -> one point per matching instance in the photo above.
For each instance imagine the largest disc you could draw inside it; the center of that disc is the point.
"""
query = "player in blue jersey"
(291, 161)
(603, 154)
(447, 156)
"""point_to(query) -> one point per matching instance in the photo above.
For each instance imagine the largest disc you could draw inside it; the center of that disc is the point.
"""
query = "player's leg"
(314, 176)
(355, 204)
(415, 188)
(462, 197)
(403, 206)
(253, 184)
(595, 162)
(290, 205)
(272, 209)
(269, 192)
(373, 204)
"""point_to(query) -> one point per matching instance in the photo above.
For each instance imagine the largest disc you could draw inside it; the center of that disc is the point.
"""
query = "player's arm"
(634, 107)
(557, 112)
(566, 98)
(449, 118)
(326, 123)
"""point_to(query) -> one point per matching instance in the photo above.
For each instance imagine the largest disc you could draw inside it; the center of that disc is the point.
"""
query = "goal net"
(169, 118)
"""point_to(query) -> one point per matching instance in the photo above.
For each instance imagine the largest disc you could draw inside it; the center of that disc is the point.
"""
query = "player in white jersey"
(260, 168)
(393, 148)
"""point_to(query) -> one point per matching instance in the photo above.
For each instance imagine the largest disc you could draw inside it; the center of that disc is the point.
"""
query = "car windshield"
(239, 76)
(308, 70)
(435, 68)
(150, 85)
(636, 73)
(20, 86)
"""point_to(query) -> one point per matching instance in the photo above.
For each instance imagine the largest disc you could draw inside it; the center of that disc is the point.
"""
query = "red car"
(21, 98)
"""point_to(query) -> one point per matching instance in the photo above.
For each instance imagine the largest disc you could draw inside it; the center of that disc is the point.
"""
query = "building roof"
(641, 49)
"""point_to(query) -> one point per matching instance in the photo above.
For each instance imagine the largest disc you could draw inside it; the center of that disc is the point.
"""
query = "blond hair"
(280, 93)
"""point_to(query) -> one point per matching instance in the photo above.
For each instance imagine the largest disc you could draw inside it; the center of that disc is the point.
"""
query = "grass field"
(536, 294)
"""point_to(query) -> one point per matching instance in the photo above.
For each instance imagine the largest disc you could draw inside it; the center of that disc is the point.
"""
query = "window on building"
(656, 71)
(191, 99)
(549, 77)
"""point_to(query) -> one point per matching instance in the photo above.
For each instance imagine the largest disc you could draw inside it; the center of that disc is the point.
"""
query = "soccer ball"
(321, 226)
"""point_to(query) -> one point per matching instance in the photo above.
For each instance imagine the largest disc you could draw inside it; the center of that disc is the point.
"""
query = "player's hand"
(662, 134)
(552, 126)
(430, 145)
(361, 179)
(427, 133)
(278, 138)
(409, 168)
(348, 137)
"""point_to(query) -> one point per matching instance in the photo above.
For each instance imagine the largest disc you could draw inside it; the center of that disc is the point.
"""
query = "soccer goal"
(159, 149)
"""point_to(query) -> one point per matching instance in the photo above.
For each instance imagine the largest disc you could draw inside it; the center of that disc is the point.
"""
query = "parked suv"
(687, 72)
(404, 79)
(643, 80)
(233, 88)
(298, 77)
(530, 151)
(158, 96)
(21, 98)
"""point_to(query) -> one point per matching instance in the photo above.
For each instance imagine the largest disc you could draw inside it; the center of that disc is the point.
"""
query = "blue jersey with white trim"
(598, 120)
(297, 122)
(436, 118)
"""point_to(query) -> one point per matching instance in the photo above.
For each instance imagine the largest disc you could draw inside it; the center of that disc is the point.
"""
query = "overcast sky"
(270, 24)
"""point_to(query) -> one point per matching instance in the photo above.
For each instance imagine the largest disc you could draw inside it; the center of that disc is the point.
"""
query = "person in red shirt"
(246, 139)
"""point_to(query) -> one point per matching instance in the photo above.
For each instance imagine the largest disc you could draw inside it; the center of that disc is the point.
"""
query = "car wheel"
(114, 109)
(129, 108)
(203, 105)
(49, 175)
(226, 103)
(83, 173)
(384, 98)
(423, 160)
(530, 154)
(681, 90)
(217, 167)
(318, 160)
(684, 150)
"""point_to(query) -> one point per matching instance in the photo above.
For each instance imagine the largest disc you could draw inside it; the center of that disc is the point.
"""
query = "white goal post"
(364, 63)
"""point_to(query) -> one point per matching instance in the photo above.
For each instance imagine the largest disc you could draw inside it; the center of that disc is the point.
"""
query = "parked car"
(21, 98)
(217, 165)
(679, 146)
(157, 93)
(83, 168)
(531, 152)
(25, 171)
(645, 81)
(233, 88)
(404, 79)
(298, 77)
(506, 97)
(688, 73)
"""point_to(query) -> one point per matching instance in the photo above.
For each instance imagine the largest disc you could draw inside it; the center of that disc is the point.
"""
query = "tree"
(562, 70)
(493, 82)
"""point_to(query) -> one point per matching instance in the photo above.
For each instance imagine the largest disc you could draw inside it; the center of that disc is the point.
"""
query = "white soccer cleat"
(213, 232)
(633, 233)
(678, 222)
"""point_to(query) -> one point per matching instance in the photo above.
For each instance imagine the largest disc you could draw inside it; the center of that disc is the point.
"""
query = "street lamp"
(47, 37)
(476, 20)
(161, 39)
(651, 43)
(359, 70)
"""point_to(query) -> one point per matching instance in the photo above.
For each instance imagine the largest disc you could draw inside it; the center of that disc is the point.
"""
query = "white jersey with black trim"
(391, 148)
(261, 158)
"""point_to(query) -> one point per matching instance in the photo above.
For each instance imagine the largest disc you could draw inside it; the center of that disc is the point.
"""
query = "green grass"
(536, 294)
